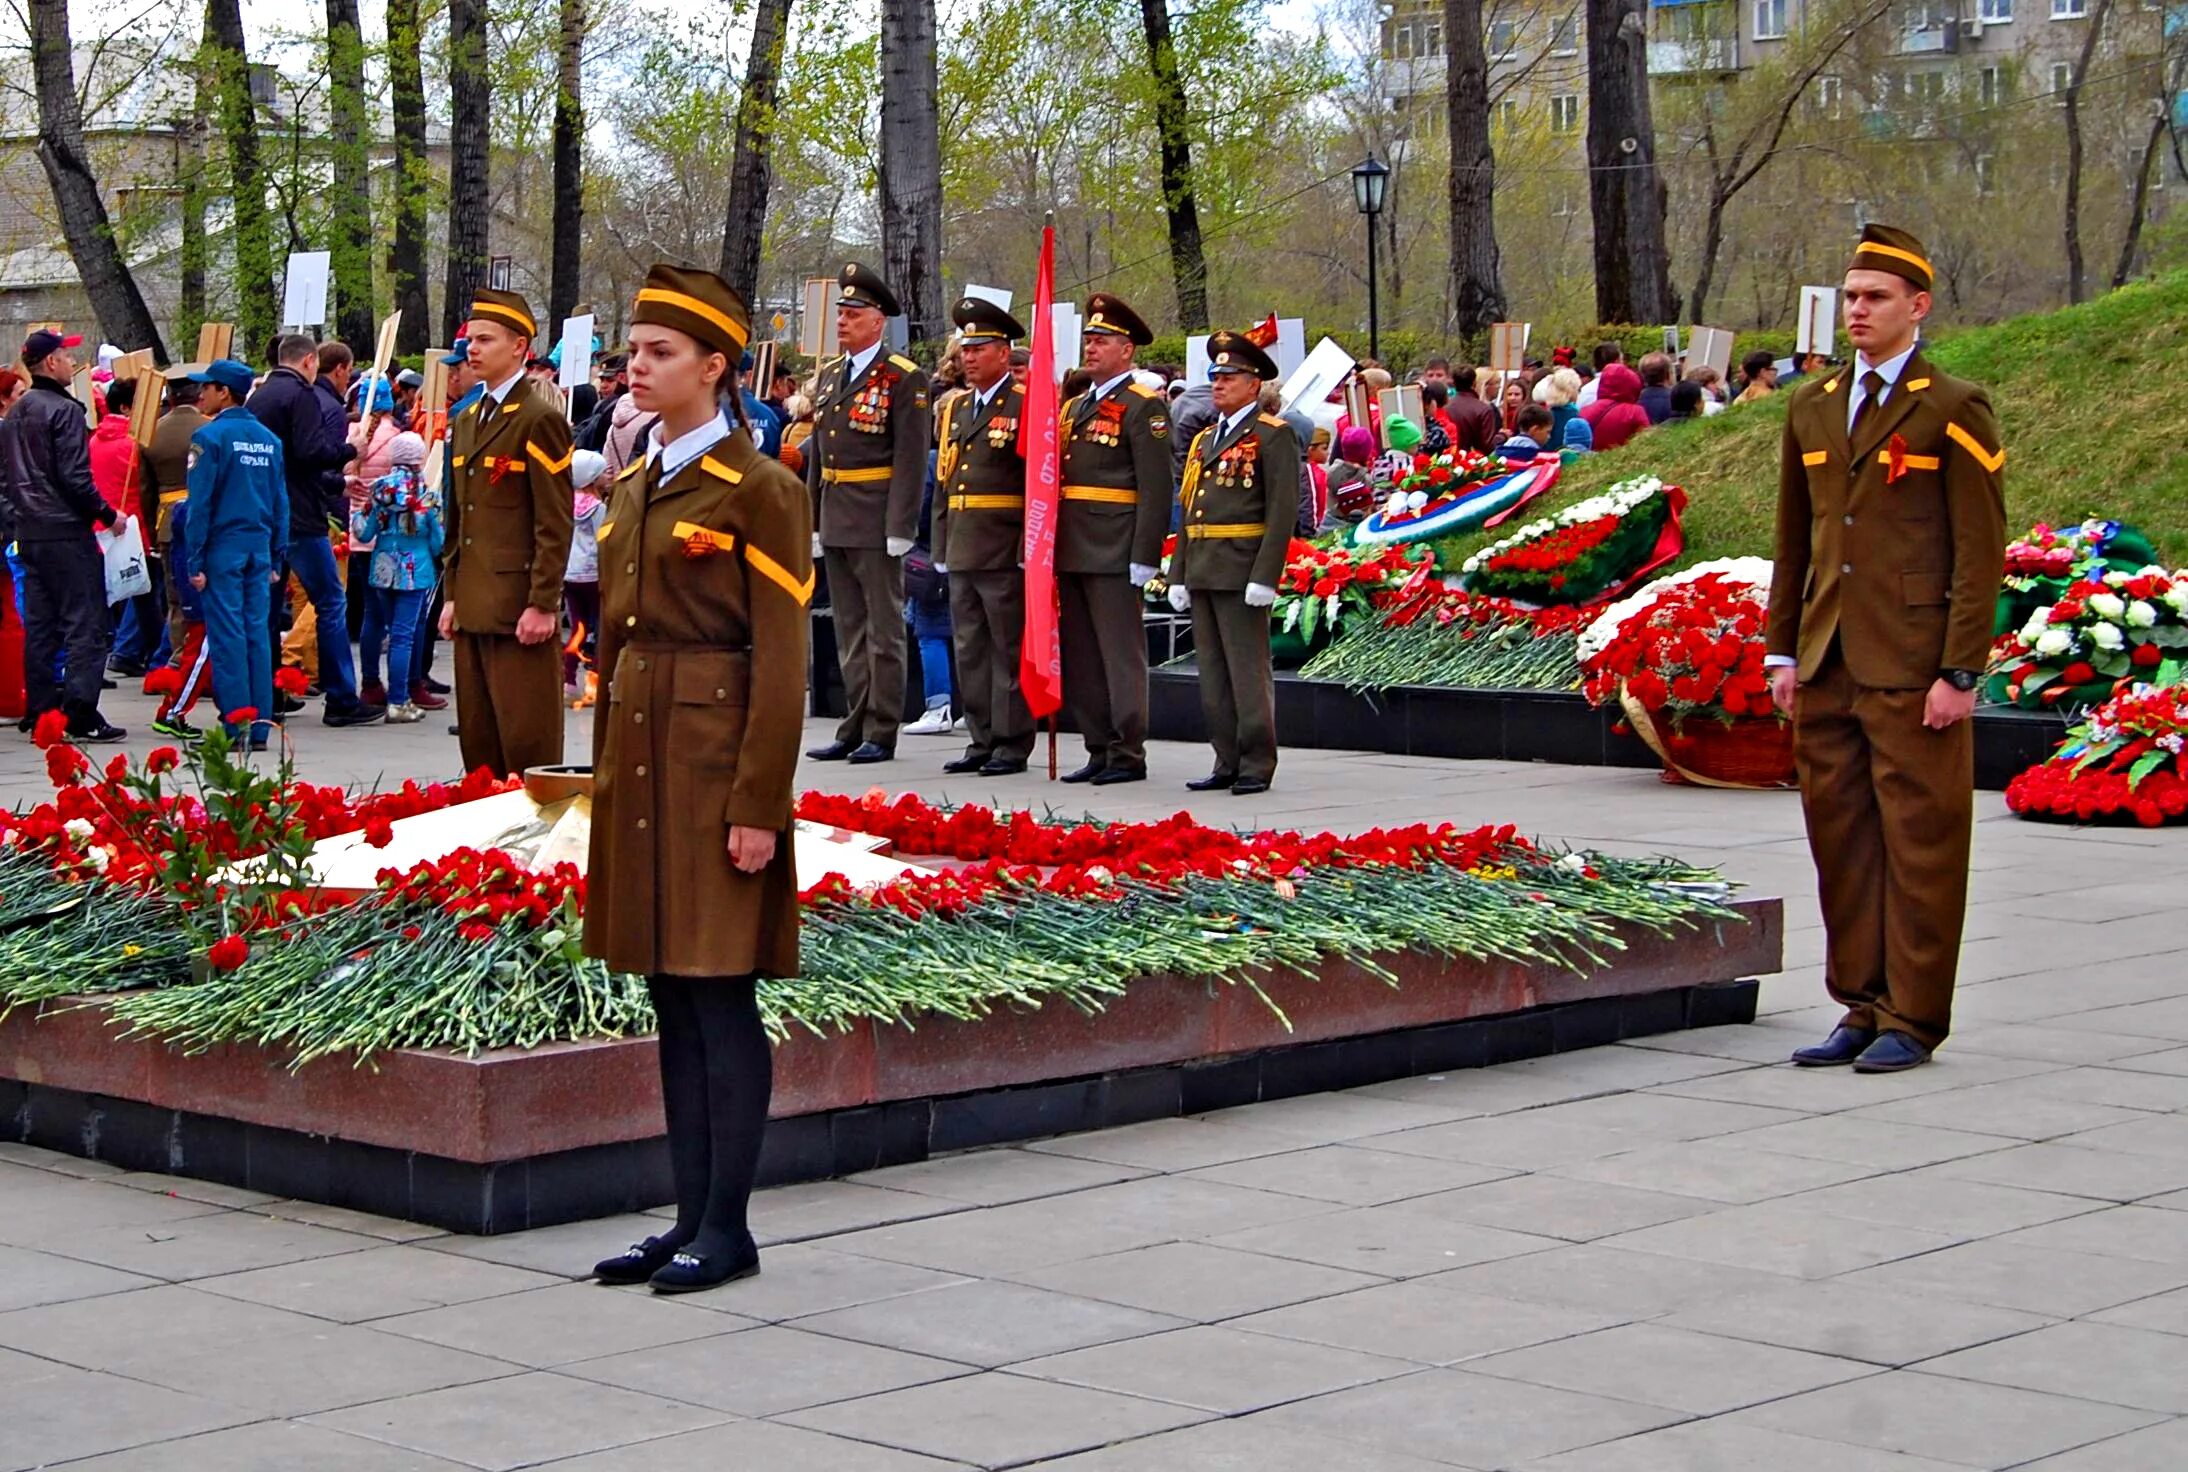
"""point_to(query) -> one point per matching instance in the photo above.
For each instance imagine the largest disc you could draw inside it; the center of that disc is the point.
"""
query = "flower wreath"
(2105, 632)
(2122, 763)
(1586, 552)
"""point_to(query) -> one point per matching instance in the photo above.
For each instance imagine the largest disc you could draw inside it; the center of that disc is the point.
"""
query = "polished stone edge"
(632, 1175)
(1513, 725)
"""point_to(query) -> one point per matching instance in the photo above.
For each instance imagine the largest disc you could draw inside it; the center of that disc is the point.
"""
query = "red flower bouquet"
(2121, 764)
(1586, 552)
(1322, 585)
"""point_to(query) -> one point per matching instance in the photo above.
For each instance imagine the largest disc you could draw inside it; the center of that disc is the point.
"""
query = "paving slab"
(1950, 1420)
(996, 1419)
(500, 1425)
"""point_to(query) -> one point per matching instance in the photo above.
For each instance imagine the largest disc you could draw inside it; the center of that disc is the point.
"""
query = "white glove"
(1181, 598)
(898, 546)
(942, 567)
(1260, 595)
(1142, 574)
(816, 547)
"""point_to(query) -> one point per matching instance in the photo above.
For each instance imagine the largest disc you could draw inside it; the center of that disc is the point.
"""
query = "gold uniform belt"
(866, 476)
(1226, 530)
(1108, 495)
(171, 498)
(987, 503)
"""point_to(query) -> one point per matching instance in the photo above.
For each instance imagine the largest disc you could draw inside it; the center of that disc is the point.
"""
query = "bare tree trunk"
(252, 225)
(406, 256)
(2138, 204)
(1188, 263)
(569, 151)
(2070, 102)
(190, 300)
(1477, 279)
(122, 314)
(911, 165)
(352, 195)
(1625, 190)
(469, 204)
(751, 164)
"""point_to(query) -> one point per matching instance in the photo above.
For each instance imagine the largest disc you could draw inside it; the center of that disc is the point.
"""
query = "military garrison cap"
(980, 320)
(506, 308)
(862, 286)
(1114, 315)
(1235, 352)
(1885, 248)
(697, 303)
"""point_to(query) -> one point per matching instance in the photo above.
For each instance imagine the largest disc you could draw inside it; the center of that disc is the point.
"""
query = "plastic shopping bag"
(126, 574)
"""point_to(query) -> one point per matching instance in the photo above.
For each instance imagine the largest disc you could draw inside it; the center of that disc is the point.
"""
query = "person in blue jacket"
(237, 535)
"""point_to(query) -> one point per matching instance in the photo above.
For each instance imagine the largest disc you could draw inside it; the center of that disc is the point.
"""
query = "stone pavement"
(1675, 1255)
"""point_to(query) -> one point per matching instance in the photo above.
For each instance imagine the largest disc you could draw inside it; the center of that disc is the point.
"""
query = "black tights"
(717, 1070)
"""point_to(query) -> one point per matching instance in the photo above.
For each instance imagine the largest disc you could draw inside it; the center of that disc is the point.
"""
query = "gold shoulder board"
(905, 363)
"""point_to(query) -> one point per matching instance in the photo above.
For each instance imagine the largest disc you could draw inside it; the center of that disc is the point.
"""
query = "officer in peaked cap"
(866, 464)
(1237, 507)
(1114, 511)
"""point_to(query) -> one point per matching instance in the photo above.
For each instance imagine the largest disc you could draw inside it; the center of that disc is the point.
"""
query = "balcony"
(1934, 36)
(1690, 57)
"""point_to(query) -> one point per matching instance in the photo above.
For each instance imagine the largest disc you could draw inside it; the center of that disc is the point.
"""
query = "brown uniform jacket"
(980, 483)
(1116, 480)
(1240, 497)
(508, 509)
(704, 583)
(167, 464)
(867, 459)
(1893, 542)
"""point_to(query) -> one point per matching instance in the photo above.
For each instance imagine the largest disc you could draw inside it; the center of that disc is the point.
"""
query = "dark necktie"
(1872, 395)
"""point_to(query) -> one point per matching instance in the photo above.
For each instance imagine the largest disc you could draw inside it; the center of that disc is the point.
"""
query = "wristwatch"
(1961, 680)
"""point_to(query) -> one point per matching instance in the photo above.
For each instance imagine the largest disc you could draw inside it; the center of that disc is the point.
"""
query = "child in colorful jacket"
(402, 520)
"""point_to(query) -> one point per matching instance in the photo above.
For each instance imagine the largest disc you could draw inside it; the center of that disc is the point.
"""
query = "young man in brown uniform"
(1115, 511)
(1239, 500)
(980, 540)
(866, 463)
(1891, 531)
(509, 517)
(167, 475)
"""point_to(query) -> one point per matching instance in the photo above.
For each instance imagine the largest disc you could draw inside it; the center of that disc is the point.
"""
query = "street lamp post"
(1370, 182)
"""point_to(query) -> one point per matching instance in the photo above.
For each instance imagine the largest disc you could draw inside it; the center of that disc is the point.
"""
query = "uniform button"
(721, 695)
(1846, 567)
(641, 666)
(631, 622)
(467, 541)
(638, 718)
(639, 770)
(631, 568)
(641, 822)
(1849, 521)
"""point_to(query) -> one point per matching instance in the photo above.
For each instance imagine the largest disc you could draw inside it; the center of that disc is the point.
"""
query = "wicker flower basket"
(1752, 751)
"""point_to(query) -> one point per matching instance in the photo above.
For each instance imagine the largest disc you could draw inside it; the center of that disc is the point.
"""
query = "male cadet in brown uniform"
(1115, 511)
(509, 513)
(167, 474)
(1239, 501)
(980, 540)
(867, 465)
(1891, 531)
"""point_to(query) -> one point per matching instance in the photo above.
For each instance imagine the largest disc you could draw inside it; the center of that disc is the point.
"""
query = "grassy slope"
(2095, 411)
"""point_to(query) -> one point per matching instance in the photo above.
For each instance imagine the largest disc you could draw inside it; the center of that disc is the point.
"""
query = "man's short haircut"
(292, 349)
(1435, 395)
(1756, 362)
(335, 354)
(182, 391)
(1462, 378)
(1535, 416)
(1607, 353)
(121, 394)
(1437, 362)
(1656, 369)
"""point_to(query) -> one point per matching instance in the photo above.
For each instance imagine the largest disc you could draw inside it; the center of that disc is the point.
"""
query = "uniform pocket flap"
(1925, 589)
(510, 561)
(712, 677)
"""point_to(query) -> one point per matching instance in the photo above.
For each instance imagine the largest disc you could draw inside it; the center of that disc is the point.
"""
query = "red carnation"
(2077, 673)
(166, 680)
(379, 832)
(228, 953)
(2145, 656)
(51, 727)
(242, 715)
(290, 681)
(65, 764)
(162, 759)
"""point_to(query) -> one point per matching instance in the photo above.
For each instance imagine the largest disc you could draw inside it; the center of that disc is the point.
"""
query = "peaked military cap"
(980, 320)
(505, 307)
(1114, 315)
(861, 286)
(697, 303)
(1235, 352)
(1885, 248)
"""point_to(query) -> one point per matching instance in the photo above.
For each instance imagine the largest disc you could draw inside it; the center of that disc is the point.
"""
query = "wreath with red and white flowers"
(2122, 763)
(1585, 552)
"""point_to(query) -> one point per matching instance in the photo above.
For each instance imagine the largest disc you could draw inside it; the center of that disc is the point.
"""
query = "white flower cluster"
(1617, 501)
(1595, 638)
(2115, 611)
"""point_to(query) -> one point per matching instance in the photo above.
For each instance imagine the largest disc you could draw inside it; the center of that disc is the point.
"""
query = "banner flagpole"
(1040, 675)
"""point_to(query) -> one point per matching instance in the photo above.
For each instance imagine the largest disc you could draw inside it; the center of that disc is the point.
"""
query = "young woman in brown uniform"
(706, 570)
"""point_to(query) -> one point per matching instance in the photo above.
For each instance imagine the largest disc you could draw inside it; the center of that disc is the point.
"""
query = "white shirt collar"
(1890, 370)
(856, 364)
(981, 398)
(1102, 390)
(1232, 421)
(501, 395)
(686, 447)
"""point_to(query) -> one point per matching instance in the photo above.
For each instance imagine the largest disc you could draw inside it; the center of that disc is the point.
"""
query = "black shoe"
(314, 690)
(1003, 766)
(871, 752)
(688, 1274)
(128, 669)
(1113, 775)
(106, 684)
(834, 751)
(1843, 1046)
(98, 732)
(437, 687)
(1091, 772)
(635, 1263)
(970, 762)
(358, 714)
(1892, 1052)
(25, 724)
(287, 705)
(1249, 786)
(1213, 782)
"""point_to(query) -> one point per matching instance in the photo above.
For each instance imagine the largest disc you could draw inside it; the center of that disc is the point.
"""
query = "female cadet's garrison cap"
(697, 303)
(504, 307)
(1884, 248)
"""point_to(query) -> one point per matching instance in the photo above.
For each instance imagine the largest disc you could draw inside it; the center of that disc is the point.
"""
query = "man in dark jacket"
(64, 573)
(1656, 386)
(311, 426)
(1476, 425)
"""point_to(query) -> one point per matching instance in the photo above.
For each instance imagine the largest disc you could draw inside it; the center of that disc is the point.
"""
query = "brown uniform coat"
(980, 481)
(1240, 499)
(697, 729)
(1116, 480)
(167, 464)
(867, 458)
(508, 510)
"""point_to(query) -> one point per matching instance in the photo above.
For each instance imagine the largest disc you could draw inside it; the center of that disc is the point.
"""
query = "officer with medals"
(706, 577)
(867, 465)
(1237, 506)
(1115, 511)
(980, 540)
(509, 520)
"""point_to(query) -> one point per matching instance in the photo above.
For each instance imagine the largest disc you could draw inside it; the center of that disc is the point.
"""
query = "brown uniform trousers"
(705, 583)
(509, 514)
(1888, 550)
(866, 464)
(980, 536)
(1115, 510)
(1238, 505)
(167, 476)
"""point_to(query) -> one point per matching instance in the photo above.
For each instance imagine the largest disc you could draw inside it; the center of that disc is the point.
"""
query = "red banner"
(1040, 667)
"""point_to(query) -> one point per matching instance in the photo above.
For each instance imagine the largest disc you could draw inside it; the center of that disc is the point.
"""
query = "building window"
(1997, 12)
(1990, 86)
(1565, 40)
(1565, 208)
(1769, 20)
(2062, 77)
(1432, 38)
(1508, 116)
(2069, 9)
(1504, 39)
(1404, 47)
(1985, 173)
(1565, 113)
(1827, 96)
(1925, 89)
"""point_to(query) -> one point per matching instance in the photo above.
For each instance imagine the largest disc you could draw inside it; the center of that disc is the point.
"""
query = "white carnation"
(100, 857)
(2054, 642)
(78, 829)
